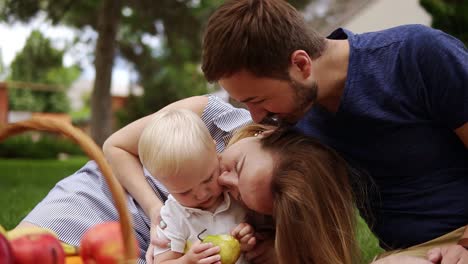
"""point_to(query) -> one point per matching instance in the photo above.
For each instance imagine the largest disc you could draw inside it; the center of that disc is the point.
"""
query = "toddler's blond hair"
(172, 138)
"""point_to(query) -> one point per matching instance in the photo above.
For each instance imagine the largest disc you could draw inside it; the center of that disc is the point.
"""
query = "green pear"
(230, 247)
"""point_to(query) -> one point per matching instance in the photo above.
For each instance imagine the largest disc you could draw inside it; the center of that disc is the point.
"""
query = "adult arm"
(401, 259)
(443, 64)
(455, 254)
(443, 61)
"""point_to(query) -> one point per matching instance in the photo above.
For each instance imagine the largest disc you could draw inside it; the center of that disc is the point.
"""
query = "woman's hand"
(155, 240)
(452, 254)
(149, 256)
(245, 234)
(203, 253)
(155, 216)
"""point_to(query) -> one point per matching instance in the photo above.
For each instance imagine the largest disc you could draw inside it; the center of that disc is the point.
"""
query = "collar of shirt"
(224, 206)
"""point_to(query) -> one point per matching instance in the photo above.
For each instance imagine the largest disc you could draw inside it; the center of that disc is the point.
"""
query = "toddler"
(178, 150)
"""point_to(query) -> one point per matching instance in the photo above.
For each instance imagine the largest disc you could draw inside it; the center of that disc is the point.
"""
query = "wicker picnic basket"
(93, 152)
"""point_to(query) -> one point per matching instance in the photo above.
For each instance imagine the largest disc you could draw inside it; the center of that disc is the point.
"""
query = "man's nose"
(257, 113)
(228, 179)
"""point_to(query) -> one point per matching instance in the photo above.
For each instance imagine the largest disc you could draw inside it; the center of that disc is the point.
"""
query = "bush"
(38, 146)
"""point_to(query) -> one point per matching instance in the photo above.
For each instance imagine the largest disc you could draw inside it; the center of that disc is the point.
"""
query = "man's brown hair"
(258, 36)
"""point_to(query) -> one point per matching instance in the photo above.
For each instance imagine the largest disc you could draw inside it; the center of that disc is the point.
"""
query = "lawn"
(25, 182)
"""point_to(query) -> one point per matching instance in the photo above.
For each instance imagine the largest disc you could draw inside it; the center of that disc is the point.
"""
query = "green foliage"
(168, 85)
(63, 76)
(168, 73)
(39, 62)
(36, 59)
(45, 147)
(171, 73)
(449, 16)
(23, 100)
(2, 65)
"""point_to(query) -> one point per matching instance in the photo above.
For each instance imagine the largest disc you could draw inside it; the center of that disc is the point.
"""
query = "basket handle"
(95, 153)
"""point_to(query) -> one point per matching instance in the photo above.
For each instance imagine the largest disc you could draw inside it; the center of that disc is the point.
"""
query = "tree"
(2, 65)
(101, 15)
(450, 16)
(173, 73)
(177, 23)
(39, 62)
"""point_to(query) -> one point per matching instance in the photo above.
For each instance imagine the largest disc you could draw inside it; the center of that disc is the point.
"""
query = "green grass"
(23, 183)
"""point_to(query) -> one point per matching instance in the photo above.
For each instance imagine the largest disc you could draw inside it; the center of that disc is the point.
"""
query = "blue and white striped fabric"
(83, 199)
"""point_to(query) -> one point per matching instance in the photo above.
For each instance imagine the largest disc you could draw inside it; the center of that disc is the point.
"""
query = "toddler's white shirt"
(185, 223)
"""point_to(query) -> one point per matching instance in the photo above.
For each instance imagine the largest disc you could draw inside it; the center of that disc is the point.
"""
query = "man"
(394, 103)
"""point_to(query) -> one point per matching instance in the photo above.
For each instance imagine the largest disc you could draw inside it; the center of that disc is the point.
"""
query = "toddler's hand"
(245, 234)
(203, 253)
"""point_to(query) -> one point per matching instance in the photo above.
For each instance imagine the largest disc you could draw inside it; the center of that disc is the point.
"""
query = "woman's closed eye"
(185, 193)
(209, 179)
(258, 102)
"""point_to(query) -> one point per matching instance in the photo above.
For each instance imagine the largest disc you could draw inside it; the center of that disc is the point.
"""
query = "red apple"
(103, 244)
(6, 253)
(37, 248)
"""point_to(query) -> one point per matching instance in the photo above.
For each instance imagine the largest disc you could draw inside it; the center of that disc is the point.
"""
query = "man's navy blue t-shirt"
(406, 91)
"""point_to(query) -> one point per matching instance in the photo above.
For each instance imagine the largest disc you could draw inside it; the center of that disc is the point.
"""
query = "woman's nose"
(228, 179)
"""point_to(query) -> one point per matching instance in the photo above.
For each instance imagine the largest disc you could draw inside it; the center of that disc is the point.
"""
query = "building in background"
(364, 15)
(381, 14)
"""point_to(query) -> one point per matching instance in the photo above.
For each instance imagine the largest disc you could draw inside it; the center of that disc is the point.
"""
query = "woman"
(307, 192)
(83, 199)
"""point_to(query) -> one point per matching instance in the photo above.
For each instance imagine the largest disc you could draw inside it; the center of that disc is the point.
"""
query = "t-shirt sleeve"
(222, 119)
(443, 65)
(175, 231)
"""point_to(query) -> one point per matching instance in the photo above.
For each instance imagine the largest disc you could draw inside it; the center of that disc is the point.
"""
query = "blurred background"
(101, 64)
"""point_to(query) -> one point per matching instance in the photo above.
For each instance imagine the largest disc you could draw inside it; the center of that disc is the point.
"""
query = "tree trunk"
(101, 100)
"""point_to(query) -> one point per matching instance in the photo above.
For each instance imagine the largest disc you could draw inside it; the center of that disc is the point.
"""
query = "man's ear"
(301, 64)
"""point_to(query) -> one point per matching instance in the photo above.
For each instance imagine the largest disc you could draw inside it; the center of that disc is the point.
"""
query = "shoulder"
(196, 104)
(411, 36)
(223, 115)
(171, 209)
(425, 41)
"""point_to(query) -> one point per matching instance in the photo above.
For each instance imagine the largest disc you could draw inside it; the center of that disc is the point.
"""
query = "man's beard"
(304, 96)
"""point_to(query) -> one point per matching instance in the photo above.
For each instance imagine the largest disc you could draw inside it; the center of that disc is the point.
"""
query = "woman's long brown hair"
(313, 204)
